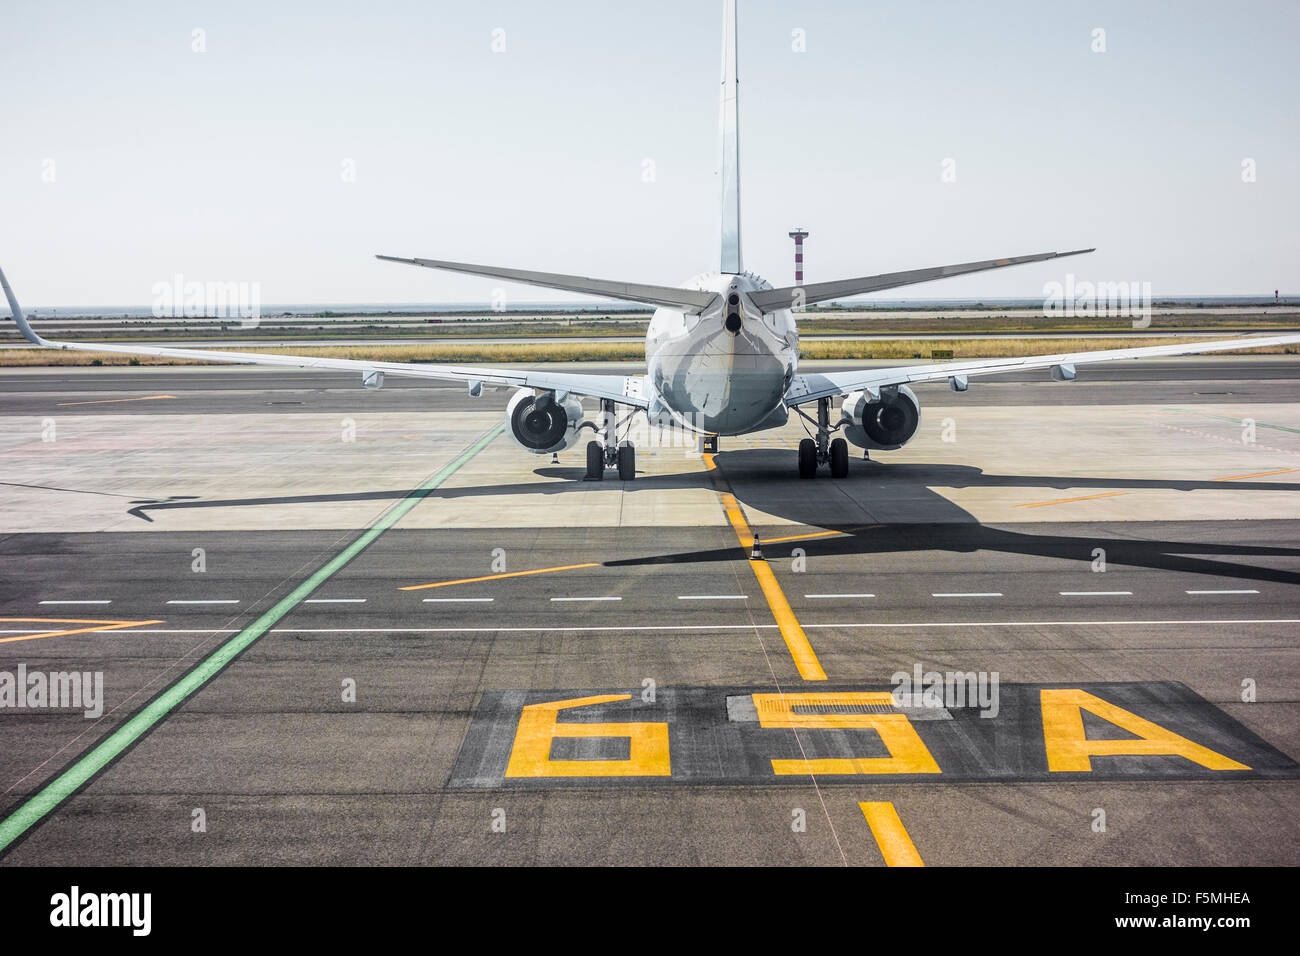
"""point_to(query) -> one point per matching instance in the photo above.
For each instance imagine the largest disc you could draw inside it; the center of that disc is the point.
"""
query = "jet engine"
(542, 423)
(884, 419)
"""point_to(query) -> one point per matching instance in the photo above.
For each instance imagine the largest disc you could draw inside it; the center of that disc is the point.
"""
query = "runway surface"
(367, 628)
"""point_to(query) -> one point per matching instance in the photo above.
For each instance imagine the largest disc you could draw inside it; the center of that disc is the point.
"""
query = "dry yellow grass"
(845, 349)
(913, 349)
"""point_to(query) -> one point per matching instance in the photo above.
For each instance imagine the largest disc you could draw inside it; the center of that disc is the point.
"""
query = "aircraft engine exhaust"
(886, 420)
(541, 424)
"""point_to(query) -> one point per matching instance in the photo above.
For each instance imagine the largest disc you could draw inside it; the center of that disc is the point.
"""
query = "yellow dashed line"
(891, 836)
(795, 639)
(1061, 501)
(98, 626)
(114, 401)
(498, 577)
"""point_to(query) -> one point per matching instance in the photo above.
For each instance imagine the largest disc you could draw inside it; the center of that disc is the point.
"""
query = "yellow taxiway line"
(98, 626)
(1061, 501)
(114, 401)
(891, 836)
(795, 639)
(498, 577)
(1261, 474)
(803, 537)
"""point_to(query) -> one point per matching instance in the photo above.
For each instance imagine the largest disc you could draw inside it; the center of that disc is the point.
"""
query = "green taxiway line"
(67, 783)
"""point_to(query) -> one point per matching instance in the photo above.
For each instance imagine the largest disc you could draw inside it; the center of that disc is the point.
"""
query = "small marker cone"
(756, 552)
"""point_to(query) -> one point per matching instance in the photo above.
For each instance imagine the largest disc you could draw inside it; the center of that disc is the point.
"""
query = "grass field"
(892, 349)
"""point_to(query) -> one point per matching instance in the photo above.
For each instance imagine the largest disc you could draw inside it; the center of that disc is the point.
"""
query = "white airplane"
(722, 350)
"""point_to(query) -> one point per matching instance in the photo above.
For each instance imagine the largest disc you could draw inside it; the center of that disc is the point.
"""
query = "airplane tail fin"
(729, 258)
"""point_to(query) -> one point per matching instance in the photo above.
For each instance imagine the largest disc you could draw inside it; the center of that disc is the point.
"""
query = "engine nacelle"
(542, 425)
(887, 423)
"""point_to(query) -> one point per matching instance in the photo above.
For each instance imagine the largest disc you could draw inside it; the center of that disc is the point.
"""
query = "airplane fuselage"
(723, 371)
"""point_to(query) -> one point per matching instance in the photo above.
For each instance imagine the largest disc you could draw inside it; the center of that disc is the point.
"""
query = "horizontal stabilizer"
(773, 300)
(669, 297)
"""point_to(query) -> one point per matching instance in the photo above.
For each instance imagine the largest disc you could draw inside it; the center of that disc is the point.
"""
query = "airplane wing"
(671, 297)
(814, 385)
(773, 300)
(626, 390)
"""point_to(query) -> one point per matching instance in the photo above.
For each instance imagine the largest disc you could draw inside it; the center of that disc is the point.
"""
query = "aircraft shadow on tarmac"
(907, 514)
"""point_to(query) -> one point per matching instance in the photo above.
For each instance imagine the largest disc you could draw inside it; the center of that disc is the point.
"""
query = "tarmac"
(337, 626)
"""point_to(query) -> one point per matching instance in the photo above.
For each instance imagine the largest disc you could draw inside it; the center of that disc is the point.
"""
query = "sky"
(285, 144)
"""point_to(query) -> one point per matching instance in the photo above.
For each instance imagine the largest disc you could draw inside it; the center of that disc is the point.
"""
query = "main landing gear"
(608, 452)
(823, 450)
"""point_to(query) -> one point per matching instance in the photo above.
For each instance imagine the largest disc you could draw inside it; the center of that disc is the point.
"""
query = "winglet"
(21, 320)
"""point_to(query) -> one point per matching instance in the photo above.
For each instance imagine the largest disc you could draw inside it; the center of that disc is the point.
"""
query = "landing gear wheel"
(839, 458)
(595, 461)
(626, 462)
(807, 458)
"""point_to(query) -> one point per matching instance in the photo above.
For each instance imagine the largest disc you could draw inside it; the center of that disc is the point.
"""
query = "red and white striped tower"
(798, 236)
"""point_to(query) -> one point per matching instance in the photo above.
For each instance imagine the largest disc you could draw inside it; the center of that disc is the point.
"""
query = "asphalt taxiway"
(349, 627)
